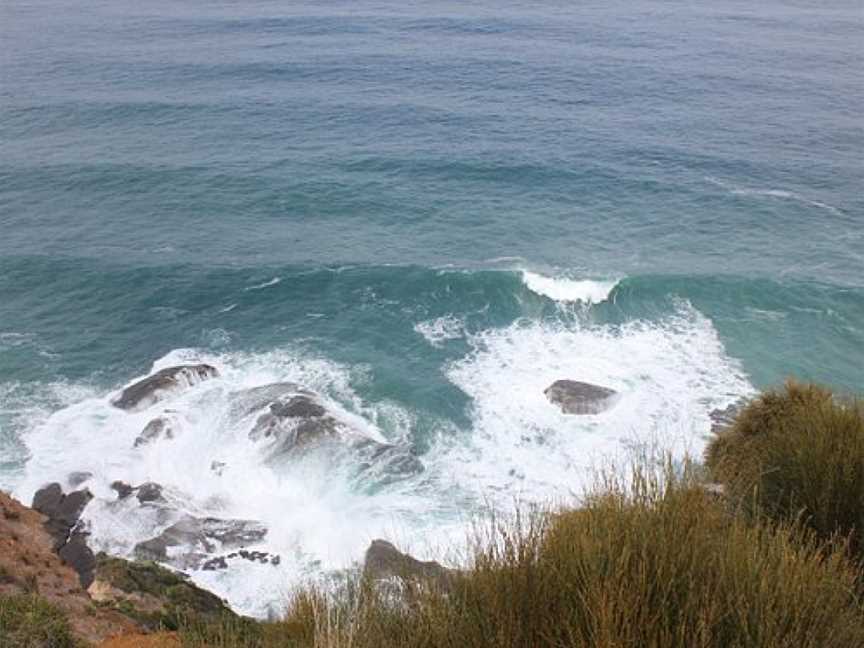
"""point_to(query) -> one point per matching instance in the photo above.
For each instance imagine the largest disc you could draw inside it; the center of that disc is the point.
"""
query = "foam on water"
(670, 376)
(564, 289)
(518, 448)
(441, 329)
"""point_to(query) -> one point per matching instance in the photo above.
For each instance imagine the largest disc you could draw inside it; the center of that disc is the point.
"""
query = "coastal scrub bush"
(797, 453)
(653, 560)
(29, 621)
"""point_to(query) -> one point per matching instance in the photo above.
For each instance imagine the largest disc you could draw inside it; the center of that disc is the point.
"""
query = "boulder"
(191, 541)
(78, 477)
(383, 561)
(152, 389)
(574, 397)
(146, 493)
(69, 538)
(296, 421)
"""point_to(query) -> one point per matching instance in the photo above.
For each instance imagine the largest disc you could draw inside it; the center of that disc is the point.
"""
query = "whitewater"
(517, 450)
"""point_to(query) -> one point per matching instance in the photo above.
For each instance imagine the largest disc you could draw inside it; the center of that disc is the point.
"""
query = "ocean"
(425, 213)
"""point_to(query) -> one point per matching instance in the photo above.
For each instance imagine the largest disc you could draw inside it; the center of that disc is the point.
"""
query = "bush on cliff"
(29, 621)
(797, 453)
(652, 560)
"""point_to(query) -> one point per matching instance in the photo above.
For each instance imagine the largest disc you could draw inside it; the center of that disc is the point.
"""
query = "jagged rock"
(69, 539)
(221, 562)
(161, 427)
(218, 467)
(299, 421)
(152, 389)
(191, 539)
(575, 397)
(384, 561)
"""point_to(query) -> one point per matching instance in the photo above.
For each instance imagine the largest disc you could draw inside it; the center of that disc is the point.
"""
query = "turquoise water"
(396, 204)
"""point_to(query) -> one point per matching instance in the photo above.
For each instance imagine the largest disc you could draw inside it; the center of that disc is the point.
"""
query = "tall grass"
(29, 621)
(797, 453)
(651, 560)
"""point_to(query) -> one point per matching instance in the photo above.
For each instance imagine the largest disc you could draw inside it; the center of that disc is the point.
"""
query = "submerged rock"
(574, 397)
(162, 427)
(152, 389)
(191, 541)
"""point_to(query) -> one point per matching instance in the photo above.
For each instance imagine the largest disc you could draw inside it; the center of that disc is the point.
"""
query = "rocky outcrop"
(154, 388)
(574, 397)
(146, 493)
(191, 542)
(69, 539)
(296, 421)
(721, 419)
(154, 596)
(384, 561)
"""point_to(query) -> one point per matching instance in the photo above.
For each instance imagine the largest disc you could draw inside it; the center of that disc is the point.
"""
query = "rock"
(198, 537)
(75, 479)
(575, 397)
(159, 428)
(218, 467)
(296, 423)
(69, 539)
(62, 510)
(149, 492)
(152, 389)
(384, 561)
(123, 489)
(386, 463)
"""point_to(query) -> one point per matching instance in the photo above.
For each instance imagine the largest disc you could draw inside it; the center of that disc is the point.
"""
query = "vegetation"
(797, 454)
(653, 560)
(29, 621)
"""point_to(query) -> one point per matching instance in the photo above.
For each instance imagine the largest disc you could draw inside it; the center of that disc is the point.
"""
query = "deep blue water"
(397, 167)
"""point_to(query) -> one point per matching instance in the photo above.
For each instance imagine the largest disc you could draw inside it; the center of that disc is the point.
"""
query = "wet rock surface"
(580, 398)
(162, 427)
(721, 419)
(297, 421)
(191, 542)
(156, 387)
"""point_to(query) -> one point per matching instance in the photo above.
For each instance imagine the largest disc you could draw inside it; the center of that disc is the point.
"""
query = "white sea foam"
(670, 376)
(518, 447)
(441, 329)
(564, 289)
(266, 284)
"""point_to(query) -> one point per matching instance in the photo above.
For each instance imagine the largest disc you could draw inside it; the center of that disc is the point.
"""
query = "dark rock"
(217, 467)
(575, 397)
(296, 424)
(149, 492)
(62, 510)
(159, 428)
(215, 563)
(69, 540)
(123, 489)
(247, 401)
(79, 557)
(384, 561)
(152, 389)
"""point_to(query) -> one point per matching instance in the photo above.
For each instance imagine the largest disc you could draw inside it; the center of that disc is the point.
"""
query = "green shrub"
(652, 561)
(797, 453)
(29, 621)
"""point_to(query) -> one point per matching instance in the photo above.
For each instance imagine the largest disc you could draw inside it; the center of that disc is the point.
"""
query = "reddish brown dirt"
(158, 640)
(28, 564)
